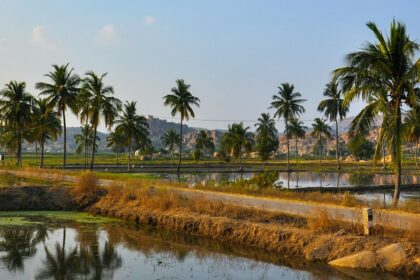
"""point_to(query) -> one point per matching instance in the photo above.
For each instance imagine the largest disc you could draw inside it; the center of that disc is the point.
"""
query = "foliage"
(267, 141)
(360, 147)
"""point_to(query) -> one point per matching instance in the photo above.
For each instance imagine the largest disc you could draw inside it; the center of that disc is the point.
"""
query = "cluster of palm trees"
(37, 120)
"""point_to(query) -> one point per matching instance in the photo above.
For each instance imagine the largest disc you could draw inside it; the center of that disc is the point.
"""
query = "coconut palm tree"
(335, 109)
(170, 139)
(46, 124)
(287, 104)
(16, 106)
(134, 127)
(266, 136)
(237, 140)
(320, 129)
(116, 140)
(181, 101)
(204, 142)
(61, 92)
(386, 67)
(84, 141)
(102, 105)
(296, 130)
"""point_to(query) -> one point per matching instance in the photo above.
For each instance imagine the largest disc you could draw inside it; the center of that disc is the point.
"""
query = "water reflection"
(118, 251)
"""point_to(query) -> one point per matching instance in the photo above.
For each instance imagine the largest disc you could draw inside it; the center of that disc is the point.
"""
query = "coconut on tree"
(386, 71)
(181, 101)
(288, 105)
(334, 109)
(61, 92)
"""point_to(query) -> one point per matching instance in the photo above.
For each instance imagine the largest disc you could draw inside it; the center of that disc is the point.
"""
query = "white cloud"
(107, 35)
(149, 20)
(40, 38)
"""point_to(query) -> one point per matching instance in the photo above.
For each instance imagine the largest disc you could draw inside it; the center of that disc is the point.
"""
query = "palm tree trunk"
(397, 154)
(240, 162)
(383, 153)
(41, 164)
(117, 153)
(180, 149)
(93, 148)
(36, 150)
(321, 148)
(19, 151)
(287, 144)
(296, 149)
(65, 137)
(416, 151)
(129, 156)
(336, 145)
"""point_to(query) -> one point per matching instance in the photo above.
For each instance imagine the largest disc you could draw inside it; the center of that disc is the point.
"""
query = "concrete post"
(367, 221)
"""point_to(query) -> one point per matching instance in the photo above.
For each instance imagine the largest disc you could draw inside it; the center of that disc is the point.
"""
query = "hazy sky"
(234, 53)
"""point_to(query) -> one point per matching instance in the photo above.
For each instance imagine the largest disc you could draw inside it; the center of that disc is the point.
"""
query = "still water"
(53, 245)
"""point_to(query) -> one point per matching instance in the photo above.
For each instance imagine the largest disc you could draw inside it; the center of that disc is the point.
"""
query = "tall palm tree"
(335, 109)
(61, 92)
(320, 129)
(16, 106)
(181, 101)
(134, 127)
(170, 139)
(266, 136)
(102, 105)
(116, 141)
(388, 68)
(238, 139)
(296, 130)
(287, 104)
(46, 124)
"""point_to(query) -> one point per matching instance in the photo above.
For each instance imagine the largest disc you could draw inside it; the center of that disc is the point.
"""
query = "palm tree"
(181, 101)
(287, 104)
(411, 129)
(62, 93)
(46, 124)
(204, 142)
(384, 68)
(238, 139)
(320, 129)
(267, 140)
(116, 141)
(84, 141)
(16, 107)
(170, 139)
(296, 130)
(334, 109)
(134, 127)
(102, 104)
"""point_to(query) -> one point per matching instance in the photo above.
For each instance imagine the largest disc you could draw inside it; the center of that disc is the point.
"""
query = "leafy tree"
(360, 147)
(237, 140)
(319, 130)
(335, 109)
(204, 143)
(134, 127)
(102, 105)
(46, 124)
(384, 74)
(181, 101)
(267, 140)
(61, 92)
(287, 104)
(15, 107)
(170, 139)
(296, 130)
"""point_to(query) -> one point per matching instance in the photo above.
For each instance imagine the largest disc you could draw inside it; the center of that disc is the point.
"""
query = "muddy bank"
(36, 198)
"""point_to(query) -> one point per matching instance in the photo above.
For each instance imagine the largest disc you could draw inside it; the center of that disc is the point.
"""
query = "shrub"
(87, 185)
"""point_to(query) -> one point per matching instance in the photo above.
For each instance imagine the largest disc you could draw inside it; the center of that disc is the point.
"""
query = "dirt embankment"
(283, 234)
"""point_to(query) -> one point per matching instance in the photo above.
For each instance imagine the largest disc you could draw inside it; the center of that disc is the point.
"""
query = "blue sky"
(234, 53)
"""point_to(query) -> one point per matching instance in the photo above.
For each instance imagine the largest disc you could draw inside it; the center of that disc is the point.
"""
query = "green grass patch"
(27, 217)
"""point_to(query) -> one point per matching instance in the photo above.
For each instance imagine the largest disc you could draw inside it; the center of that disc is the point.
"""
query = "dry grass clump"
(322, 221)
(349, 200)
(410, 205)
(87, 185)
